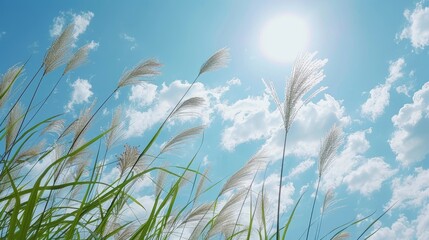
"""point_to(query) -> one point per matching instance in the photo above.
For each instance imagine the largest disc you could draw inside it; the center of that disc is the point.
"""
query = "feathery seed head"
(31, 152)
(341, 236)
(116, 128)
(59, 50)
(198, 213)
(140, 72)
(328, 201)
(306, 74)
(127, 158)
(78, 58)
(189, 107)
(56, 127)
(7, 81)
(160, 181)
(15, 119)
(201, 183)
(218, 60)
(227, 216)
(246, 173)
(329, 147)
(181, 138)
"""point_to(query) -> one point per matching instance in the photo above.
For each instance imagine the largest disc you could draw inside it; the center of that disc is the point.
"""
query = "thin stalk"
(70, 149)
(312, 208)
(148, 146)
(280, 187)
(25, 89)
(8, 151)
(242, 205)
(319, 227)
(44, 100)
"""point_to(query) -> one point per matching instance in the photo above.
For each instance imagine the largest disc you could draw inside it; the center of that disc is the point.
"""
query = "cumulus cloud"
(81, 22)
(311, 124)
(355, 146)
(251, 120)
(403, 228)
(411, 190)
(143, 94)
(355, 170)
(255, 118)
(380, 95)
(417, 29)
(412, 127)
(141, 118)
(400, 229)
(80, 94)
(368, 177)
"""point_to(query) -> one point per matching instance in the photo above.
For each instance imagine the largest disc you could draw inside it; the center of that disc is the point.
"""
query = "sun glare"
(283, 37)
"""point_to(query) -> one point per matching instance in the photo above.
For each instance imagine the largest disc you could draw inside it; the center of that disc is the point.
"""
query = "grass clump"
(70, 197)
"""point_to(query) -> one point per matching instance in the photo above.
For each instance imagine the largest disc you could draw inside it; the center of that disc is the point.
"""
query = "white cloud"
(400, 229)
(143, 94)
(411, 190)
(129, 39)
(404, 89)
(141, 119)
(80, 94)
(234, 81)
(255, 118)
(251, 120)
(417, 30)
(380, 95)
(311, 124)
(368, 177)
(422, 223)
(81, 22)
(351, 166)
(301, 168)
(403, 228)
(57, 26)
(412, 127)
(205, 161)
(271, 192)
(93, 45)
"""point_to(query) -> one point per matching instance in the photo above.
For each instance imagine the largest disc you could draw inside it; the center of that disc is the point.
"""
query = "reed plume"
(59, 50)
(307, 72)
(327, 151)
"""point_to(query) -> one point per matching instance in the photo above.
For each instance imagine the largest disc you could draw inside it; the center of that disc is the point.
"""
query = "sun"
(283, 37)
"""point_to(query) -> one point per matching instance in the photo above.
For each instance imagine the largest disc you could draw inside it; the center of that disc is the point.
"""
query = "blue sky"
(376, 76)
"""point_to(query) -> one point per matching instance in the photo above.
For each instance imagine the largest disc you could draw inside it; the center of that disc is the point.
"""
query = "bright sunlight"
(283, 37)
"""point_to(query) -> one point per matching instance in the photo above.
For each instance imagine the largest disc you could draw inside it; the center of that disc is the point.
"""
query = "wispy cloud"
(2, 34)
(368, 177)
(130, 39)
(380, 95)
(301, 168)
